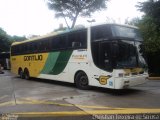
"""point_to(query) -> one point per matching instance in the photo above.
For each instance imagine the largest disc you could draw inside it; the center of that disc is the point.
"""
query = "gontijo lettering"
(33, 58)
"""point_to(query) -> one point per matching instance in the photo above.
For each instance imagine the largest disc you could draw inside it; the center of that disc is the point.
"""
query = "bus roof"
(125, 25)
(66, 31)
(47, 35)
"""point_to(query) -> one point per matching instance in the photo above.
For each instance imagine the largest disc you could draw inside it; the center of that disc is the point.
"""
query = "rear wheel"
(21, 74)
(81, 81)
(26, 75)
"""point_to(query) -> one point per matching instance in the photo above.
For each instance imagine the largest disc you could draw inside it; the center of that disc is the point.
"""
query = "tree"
(149, 25)
(151, 8)
(135, 21)
(71, 9)
(4, 41)
(16, 38)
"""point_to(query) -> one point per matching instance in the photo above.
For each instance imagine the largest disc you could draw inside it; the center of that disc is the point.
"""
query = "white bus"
(106, 55)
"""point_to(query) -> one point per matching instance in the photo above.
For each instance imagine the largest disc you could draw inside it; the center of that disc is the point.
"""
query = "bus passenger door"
(105, 56)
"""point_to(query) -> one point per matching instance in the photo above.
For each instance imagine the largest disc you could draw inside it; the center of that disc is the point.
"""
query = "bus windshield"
(106, 32)
(126, 32)
(116, 46)
(127, 55)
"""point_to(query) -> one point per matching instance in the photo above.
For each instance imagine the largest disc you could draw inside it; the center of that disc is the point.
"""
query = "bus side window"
(23, 49)
(36, 46)
(45, 45)
(71, 39)
(82, 38)
(13, 50)
(62, 42)
(32, 47)
(27, 48)
(58, 42)
(77, 40)
(41, 46)
(54, 43)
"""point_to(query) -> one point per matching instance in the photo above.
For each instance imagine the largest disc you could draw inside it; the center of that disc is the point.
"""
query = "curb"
(153, 78)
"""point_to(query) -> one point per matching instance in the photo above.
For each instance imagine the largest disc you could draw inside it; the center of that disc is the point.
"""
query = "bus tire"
(26, 74)
(21, 74)
(81, 81)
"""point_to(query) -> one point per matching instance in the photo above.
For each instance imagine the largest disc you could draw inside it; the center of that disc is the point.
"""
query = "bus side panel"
(56, 66)
(96, 75)
(33, 62)
(66, 66)
(81, 61)
(15, 64)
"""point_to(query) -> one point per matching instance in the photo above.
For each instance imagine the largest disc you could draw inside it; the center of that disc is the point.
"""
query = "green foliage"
(17, 38)
(134, 22)
(71, 9)
(149, 25)
(6, 40)
(152, 9)
(151, 35)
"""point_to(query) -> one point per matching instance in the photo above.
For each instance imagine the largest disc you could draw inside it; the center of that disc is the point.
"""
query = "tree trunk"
(66, 21)
(74, 20)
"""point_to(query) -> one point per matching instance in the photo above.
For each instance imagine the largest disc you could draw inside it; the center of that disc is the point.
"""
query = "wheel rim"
(83, 81)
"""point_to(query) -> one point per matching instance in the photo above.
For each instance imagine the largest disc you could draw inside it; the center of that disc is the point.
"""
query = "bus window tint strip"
(71, 40)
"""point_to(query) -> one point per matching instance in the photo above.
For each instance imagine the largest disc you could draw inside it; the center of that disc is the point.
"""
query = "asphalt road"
(45, 99)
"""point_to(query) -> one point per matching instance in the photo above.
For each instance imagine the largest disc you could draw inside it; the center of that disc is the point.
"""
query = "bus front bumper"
(125, 82)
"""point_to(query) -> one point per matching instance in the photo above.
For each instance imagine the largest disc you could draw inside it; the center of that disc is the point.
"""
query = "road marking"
(59, 104)
(7, 103)
(1, 98)
(93, 112)
(33, 102)
(104, 109)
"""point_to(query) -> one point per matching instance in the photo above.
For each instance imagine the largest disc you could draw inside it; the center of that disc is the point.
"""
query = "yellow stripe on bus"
(29, 61)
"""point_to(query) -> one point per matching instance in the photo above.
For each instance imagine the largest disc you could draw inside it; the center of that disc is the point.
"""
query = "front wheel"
(81, 81)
